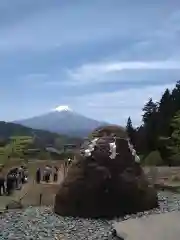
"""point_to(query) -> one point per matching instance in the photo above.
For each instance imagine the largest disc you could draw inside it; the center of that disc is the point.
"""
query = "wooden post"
(40, 199)
(64, 169)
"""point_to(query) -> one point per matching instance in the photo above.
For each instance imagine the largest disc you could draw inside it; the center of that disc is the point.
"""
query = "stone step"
(163, 226)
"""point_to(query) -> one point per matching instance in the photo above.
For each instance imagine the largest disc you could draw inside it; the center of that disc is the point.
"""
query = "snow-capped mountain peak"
(62, 108)
(64, 121)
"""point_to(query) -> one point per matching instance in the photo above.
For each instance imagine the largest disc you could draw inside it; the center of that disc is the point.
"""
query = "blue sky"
(103, 58)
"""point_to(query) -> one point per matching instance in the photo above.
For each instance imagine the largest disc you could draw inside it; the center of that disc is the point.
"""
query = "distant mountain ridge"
(42, 138)
(43, 142)
(63, 120)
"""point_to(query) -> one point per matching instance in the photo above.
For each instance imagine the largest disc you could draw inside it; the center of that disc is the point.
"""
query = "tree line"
(157, 139)
(19, 142)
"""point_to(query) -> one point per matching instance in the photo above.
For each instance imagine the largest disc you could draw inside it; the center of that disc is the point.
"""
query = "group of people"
(46, 174)
(14, 179)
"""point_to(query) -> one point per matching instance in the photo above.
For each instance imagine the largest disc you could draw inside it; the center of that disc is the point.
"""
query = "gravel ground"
(40, 223)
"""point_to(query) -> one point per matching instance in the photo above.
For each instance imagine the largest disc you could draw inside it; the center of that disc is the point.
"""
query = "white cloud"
(116, 107)
(88, 72)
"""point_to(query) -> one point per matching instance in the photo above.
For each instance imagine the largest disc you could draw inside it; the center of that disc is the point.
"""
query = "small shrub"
(153, 159)
(175, 178)
(141, 157)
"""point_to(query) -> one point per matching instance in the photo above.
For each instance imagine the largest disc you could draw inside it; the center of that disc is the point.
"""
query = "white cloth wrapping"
(133, 151)
(87, 153)
(112, 150)
(130, 146)
(137, 159)
(94, 141)
(90, 148)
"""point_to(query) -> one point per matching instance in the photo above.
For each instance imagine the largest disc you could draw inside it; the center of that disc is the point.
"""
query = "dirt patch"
(43, 193)
(162, 173)
(30, 193)
(40, 194)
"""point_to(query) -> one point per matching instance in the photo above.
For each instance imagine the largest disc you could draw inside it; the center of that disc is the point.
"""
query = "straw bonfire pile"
(106, 180)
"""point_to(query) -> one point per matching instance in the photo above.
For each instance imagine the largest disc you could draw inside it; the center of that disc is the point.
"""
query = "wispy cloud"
(86, 73)
(117, 106)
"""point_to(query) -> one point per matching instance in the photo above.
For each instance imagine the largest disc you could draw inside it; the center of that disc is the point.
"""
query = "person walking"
(47, 173)
(21, 170)
(20, 177)
(55, 177)
(15, 176)
(10, 183)
(26, 174)
(38, 175)
(2, 184)
(2, 181)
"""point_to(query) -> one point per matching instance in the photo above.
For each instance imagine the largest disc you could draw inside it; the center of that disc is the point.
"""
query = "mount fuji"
(62, 120)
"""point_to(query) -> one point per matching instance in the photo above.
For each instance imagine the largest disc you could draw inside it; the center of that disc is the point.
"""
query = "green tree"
(150, 120)
(17, 146)
(131, 131)
(149, 110)
(176, 98)
(158, 129)
(174, 145)
(166, 113)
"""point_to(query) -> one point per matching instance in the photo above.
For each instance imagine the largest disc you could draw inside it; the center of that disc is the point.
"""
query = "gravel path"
(40, 223)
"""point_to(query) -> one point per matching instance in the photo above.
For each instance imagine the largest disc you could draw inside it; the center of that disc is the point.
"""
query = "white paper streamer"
(133, 151)
(137, 159)
(112, 150)
(90, 148)
(87, 153)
